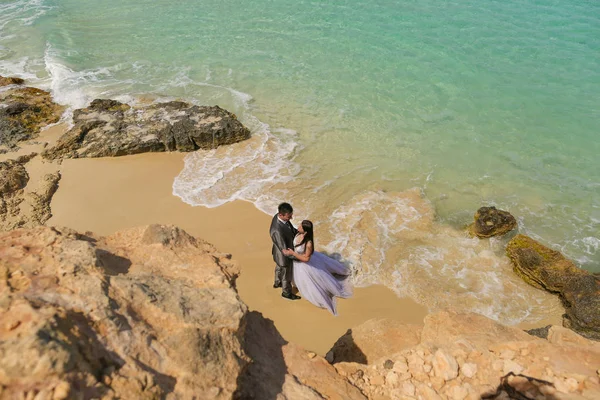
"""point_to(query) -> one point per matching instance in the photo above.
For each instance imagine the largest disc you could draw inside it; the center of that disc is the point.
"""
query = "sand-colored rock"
(13, 176)
(447, 328)
(548, 269)
(19, 208)
(146, 313)
(376, 337)
(468, 356)
(109, 128)
(283, 370)
(140, 314)
(490, 221)
(445, 365)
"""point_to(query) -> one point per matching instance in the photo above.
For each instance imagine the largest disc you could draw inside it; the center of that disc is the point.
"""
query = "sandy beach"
(104, 195)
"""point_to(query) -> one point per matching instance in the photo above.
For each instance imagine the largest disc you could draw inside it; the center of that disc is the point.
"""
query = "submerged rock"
(8, 80)
(548, 269)
(23, 112)
(490, 221)
(110, 128)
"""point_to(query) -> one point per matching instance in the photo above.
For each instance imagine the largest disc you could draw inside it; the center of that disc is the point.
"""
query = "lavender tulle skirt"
(321, 280)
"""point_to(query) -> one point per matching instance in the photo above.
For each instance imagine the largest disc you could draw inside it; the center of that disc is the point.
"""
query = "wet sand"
(105, 195)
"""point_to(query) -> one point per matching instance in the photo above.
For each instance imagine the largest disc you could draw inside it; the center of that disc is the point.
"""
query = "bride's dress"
(316, 281)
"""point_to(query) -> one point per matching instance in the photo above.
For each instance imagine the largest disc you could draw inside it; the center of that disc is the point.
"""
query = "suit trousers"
(283, 276)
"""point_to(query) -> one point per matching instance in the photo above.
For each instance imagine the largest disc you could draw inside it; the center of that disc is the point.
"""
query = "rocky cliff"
(148, 313)
(152, 313)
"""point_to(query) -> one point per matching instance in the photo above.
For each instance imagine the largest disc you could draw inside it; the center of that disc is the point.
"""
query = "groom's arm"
(279, 242)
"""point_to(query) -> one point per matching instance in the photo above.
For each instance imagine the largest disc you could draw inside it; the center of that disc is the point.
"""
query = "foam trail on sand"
(254, 170)
(393, 238)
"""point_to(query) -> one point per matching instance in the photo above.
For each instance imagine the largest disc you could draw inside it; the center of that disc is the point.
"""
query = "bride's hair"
(308, 232)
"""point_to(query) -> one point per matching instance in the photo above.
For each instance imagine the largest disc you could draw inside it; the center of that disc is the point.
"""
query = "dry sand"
(105, 195)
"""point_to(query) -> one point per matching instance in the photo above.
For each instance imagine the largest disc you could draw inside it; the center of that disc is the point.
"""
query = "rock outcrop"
(492, 222)
(24, 111)
(468, 356)
(548, 269)
(21, 209)
(377, 338)
(110, 128)
(147, 313)
(136, 315)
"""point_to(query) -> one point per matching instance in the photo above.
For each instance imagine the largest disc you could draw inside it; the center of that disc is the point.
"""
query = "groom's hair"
(285, 208)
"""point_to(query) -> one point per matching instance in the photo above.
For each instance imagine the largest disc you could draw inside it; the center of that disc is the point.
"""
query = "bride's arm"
(307, 254)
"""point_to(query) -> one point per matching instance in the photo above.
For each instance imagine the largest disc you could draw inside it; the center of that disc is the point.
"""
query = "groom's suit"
(282, 235)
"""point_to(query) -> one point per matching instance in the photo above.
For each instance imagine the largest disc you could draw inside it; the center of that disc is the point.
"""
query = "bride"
(319, 278)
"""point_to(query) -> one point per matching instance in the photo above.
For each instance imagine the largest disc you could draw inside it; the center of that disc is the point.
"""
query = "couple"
(320, 279)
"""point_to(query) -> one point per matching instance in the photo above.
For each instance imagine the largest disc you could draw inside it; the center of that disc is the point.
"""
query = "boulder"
(492, 222)
(23, 112)
(110, 128)
(13, 177)
(548, 269)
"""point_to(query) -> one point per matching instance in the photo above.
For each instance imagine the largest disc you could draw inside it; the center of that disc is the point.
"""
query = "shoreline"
(106, 195)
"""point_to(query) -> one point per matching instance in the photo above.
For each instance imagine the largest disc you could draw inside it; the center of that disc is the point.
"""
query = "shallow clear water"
(386, 122)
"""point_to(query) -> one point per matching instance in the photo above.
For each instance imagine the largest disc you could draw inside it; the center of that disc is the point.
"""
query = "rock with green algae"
(490, 221)
(23, 112)
(548, 269)
(9, 80)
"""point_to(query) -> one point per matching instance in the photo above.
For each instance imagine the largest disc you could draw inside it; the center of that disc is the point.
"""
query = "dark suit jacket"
(282, 235)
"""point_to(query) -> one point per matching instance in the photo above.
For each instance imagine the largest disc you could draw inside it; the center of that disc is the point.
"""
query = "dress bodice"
(300, 249)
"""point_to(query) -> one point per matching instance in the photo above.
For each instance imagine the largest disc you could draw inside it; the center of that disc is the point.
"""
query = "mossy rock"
(490, 221)
(26, 111)
(8, 80)
(548, 269)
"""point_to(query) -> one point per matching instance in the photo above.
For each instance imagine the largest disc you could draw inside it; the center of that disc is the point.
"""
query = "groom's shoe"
(276, 285)
(290, 296)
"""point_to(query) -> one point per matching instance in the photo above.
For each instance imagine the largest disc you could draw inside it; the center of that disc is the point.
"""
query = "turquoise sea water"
(387, 122)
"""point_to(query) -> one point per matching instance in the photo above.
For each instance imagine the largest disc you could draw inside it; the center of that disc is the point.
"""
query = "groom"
(282, 234)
